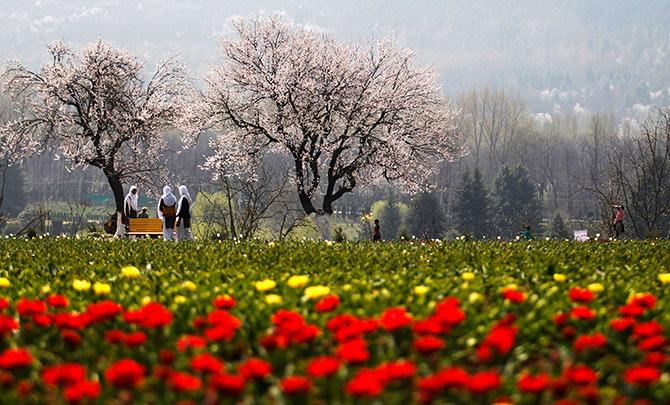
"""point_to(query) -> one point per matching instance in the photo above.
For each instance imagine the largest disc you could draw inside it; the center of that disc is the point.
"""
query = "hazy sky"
(575, 47)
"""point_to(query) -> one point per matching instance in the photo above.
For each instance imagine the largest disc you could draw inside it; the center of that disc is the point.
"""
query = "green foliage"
(368, 278)
(392, 217)
(391, 220)
(339, 235)
(426, 218)
(377, 209)
(515, 201)
(558, 229)
(472, 206)
(209, 213)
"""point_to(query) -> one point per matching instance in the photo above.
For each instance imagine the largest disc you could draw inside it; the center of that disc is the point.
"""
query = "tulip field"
(96, 321)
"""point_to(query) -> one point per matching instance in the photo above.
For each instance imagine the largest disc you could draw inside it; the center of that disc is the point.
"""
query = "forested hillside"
(595, 55)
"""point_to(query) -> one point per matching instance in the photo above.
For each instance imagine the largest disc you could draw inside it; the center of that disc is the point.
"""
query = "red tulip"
(323, 366)
(125, 373)
(295, 385)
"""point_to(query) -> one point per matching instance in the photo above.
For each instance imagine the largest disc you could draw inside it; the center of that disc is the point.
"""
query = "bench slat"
(145, 226)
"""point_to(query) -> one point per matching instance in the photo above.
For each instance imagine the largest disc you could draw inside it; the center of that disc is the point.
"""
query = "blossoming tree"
(98, 109)
(344, 115)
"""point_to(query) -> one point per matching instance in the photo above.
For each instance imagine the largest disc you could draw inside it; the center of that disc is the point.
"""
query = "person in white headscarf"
(184, 215)
(130, 206)
(167, 212)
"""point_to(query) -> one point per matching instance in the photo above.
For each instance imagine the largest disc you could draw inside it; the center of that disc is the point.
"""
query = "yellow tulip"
(297, 281)
(46, 289)
(145, 300)
(273, 299)
(664, 278)
(81, 285)
(101, 288)
(595, 287)
(467, 276)
(421, 290)
(558, 277)
(474, 297)
(130, 271)
(189, 285)
(179, 299)
(4, 282)
(265, 285)
(316, 291)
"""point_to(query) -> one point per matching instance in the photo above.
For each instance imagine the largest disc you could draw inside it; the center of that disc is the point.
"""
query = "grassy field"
(459, 322)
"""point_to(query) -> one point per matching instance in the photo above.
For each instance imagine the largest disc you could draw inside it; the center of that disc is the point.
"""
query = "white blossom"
(345, 115)
(97, 108)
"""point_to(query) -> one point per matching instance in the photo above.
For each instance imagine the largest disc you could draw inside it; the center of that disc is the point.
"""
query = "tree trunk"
(3, 180)
(117, 189)
(229, 197)
(322, 222)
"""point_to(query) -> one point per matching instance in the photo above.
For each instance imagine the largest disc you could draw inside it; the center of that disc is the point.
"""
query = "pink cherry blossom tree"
(344, 115)
(98, 109)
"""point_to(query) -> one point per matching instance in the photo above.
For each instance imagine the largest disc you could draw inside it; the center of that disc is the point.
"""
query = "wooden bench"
(145, 226)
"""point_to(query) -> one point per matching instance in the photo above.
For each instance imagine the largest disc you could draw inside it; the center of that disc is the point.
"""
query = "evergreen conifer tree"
(558, 229)
(472, 206)
(426, 218)
(515, 201)
(390, 219)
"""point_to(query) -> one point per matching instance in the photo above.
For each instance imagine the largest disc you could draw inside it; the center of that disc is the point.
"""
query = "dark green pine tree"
(472, 206)
(558, 229)
(426, 218)
(390, 219)
(515, 201)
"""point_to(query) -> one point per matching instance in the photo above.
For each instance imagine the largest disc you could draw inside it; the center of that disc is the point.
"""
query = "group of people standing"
(174, 213)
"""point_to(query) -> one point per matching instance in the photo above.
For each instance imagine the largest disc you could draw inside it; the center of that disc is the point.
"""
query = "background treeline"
(555, 173)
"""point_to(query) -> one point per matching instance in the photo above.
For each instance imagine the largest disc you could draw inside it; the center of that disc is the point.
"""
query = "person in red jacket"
(619, 215)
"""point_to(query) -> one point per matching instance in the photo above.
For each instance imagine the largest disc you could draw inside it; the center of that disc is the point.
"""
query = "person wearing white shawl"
(130, 208)
(167, 212)
(184, 215)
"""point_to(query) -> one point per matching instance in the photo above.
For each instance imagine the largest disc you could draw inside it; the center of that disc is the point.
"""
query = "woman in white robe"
(167, 212)
(130, 207)
(184, 215)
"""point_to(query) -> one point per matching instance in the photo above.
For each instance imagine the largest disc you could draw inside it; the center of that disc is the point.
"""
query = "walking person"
(618, 220)
(130, 206)
(376, 232)
(526, 233)
(184, 215)
(167, 212)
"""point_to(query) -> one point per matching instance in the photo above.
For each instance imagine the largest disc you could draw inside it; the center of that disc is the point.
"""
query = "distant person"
(184, 215)
(526, 233)
(167, 212)
(130, 206)
(144, 213)
(376, 232)
(619, 215)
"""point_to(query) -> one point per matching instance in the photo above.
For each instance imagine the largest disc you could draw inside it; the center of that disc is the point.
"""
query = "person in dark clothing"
(184, 215)
(376, 232)
(167, 211)
(144, 213)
